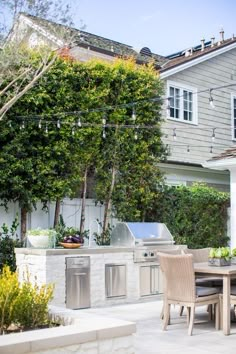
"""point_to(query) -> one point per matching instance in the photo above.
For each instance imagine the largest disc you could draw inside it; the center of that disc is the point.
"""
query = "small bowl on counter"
(70, 245)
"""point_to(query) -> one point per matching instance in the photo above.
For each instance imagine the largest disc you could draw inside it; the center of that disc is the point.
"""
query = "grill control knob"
(145, 254)
(152, 254)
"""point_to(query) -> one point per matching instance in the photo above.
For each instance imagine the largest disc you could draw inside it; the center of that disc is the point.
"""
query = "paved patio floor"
(150, 339)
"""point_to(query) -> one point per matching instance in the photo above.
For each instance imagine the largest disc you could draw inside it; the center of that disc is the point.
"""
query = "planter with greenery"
(219, 256)
(233, 256)
(41, 238)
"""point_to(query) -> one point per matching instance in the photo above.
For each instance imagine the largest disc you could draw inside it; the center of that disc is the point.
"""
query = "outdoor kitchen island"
(99, 276)
(49, 266)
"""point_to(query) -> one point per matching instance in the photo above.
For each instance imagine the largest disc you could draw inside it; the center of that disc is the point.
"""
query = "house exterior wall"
(215, 72)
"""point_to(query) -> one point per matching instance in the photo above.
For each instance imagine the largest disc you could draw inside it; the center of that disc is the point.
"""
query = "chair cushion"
(209, 281)
(233, 290)
(204, 291)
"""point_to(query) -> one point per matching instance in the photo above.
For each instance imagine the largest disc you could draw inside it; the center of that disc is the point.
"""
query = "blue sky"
(163, 26)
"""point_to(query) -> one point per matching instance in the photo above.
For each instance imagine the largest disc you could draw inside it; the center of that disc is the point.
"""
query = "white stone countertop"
(65, 251)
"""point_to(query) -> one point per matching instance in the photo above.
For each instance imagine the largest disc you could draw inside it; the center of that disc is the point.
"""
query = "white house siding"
(217, 71)
(187, 175)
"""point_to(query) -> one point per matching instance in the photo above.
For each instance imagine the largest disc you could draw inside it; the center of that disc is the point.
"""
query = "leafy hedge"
(8, 241)
(196, 215)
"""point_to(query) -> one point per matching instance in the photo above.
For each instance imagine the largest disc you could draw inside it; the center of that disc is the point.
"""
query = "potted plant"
(219, 256)
(233, 258)
(41, 238)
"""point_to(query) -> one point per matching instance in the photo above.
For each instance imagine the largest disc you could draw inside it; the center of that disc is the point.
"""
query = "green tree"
(127, 162)
(54, 135)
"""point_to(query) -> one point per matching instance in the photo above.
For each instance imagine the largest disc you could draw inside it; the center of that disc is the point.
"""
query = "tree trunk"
(108, 203)
(82, 217)
(57, 212)
(23, 214)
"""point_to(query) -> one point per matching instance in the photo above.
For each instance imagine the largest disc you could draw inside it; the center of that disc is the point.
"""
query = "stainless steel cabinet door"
(115, 280)
(149, 280)
(78, 289)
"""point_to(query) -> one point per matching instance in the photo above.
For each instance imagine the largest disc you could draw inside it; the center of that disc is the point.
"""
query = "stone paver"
(150, 339)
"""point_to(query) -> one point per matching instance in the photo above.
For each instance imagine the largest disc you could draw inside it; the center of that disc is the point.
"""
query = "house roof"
(190, 54)
(166, 64)
(95, 42)
(224, 161)
(227, 154)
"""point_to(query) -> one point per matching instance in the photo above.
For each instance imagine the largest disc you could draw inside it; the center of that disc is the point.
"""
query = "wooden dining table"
(226, 273)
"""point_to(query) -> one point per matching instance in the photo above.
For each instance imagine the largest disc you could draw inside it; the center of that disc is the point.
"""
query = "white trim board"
(196, 61)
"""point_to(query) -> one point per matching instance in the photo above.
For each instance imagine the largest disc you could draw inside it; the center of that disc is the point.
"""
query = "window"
(234, 117)
(182, 103)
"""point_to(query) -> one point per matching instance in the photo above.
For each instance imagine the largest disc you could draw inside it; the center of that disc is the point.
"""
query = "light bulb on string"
(213, 134)
(22, 126)
(104, 134)
(46, 128)
(104, 120)
(211, 149)
(40, 124)
(168, 103)
(211, 100)
(135, 135)
(134, 114)
(79, 123)
(73, 131)
(58, 124)
(174, 134)
(188, 148)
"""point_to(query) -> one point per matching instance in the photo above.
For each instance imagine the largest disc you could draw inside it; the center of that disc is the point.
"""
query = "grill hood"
(131, 234)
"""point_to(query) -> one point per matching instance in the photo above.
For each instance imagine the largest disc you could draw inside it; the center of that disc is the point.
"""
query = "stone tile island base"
(49, 266)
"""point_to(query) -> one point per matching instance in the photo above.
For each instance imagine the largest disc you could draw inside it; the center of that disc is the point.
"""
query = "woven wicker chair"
(180, 288)
(201, 255)
(232, 301)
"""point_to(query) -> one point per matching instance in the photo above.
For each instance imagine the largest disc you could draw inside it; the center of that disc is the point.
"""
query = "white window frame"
(233, 116)
(183, 88)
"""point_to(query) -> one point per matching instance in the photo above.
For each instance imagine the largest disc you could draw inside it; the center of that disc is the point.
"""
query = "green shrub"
(9, 290)
(196, 215)
(24, 305)
(31, 305)
(8, 241)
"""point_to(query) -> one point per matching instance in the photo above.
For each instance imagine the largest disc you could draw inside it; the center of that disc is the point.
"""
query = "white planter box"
(218, 262)
(40, 241)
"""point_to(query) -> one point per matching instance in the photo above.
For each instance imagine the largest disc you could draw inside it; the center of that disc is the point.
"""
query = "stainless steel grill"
(147, 238)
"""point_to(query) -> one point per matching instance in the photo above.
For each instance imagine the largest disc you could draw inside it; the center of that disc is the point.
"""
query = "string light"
(135, 135)
(46, 128)
(213, 134)
(79, 123)
(211, 149)
(58, 124)
(134, 114)
(188, 148)
(174, 134)
(22, 125)
(211, 100)
(104, 121)
(73, 131)
(123, 105)
(40, 124)
(168, 103)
